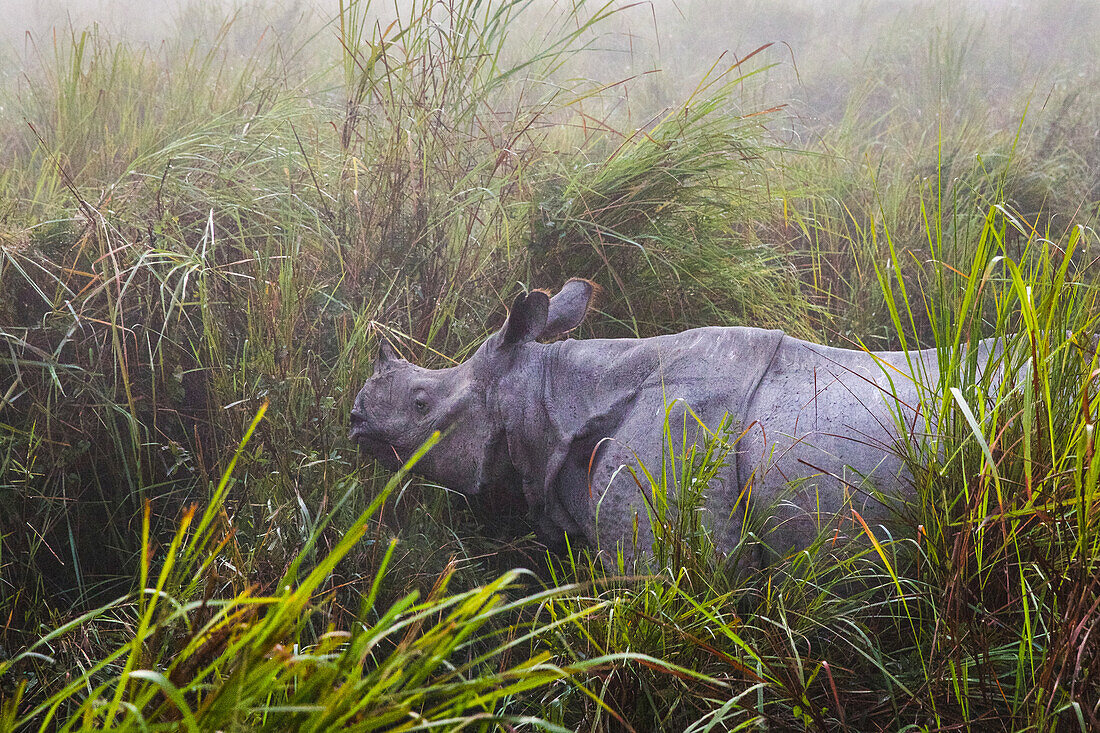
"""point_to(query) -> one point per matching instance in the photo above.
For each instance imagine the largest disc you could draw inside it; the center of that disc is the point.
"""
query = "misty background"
(829, 59)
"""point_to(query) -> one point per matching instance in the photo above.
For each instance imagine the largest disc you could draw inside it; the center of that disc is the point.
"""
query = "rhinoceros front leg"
(615, 487)
(633, 484)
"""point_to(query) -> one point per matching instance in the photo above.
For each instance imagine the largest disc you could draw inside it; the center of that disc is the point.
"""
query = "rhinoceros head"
(402, 404)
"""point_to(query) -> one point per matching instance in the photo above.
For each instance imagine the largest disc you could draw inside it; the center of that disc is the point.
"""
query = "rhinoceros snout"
(358, 425)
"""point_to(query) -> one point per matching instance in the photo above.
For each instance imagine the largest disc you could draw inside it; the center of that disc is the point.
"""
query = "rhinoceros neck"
(558, 402)
(565, 389)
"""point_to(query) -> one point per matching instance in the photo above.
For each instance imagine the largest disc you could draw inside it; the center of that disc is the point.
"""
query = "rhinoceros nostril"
(358, 425)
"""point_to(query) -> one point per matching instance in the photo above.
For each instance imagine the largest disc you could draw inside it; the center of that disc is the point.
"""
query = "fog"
(153, 21)
(146, 20)
(1003, 54)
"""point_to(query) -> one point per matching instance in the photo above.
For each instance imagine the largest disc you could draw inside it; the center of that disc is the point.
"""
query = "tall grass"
(201, 656)
(1006, 510)
(665, 211)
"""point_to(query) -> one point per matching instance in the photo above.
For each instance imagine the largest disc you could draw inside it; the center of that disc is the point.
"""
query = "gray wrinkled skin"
(559, 421)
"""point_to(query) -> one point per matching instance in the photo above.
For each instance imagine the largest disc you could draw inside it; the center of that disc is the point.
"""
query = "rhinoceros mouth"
(381, 450)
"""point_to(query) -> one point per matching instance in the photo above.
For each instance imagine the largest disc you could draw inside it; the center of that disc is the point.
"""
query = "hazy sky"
(999, 44)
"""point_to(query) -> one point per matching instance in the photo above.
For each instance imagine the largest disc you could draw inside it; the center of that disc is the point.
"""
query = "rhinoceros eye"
(421, 403)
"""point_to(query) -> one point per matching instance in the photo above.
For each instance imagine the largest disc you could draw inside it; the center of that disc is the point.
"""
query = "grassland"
(202, 240)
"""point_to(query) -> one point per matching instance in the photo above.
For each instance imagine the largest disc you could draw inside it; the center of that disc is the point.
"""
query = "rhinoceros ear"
(569, 307)
(526, 319)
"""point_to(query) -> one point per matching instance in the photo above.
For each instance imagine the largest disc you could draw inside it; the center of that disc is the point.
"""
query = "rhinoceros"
(570, 423)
